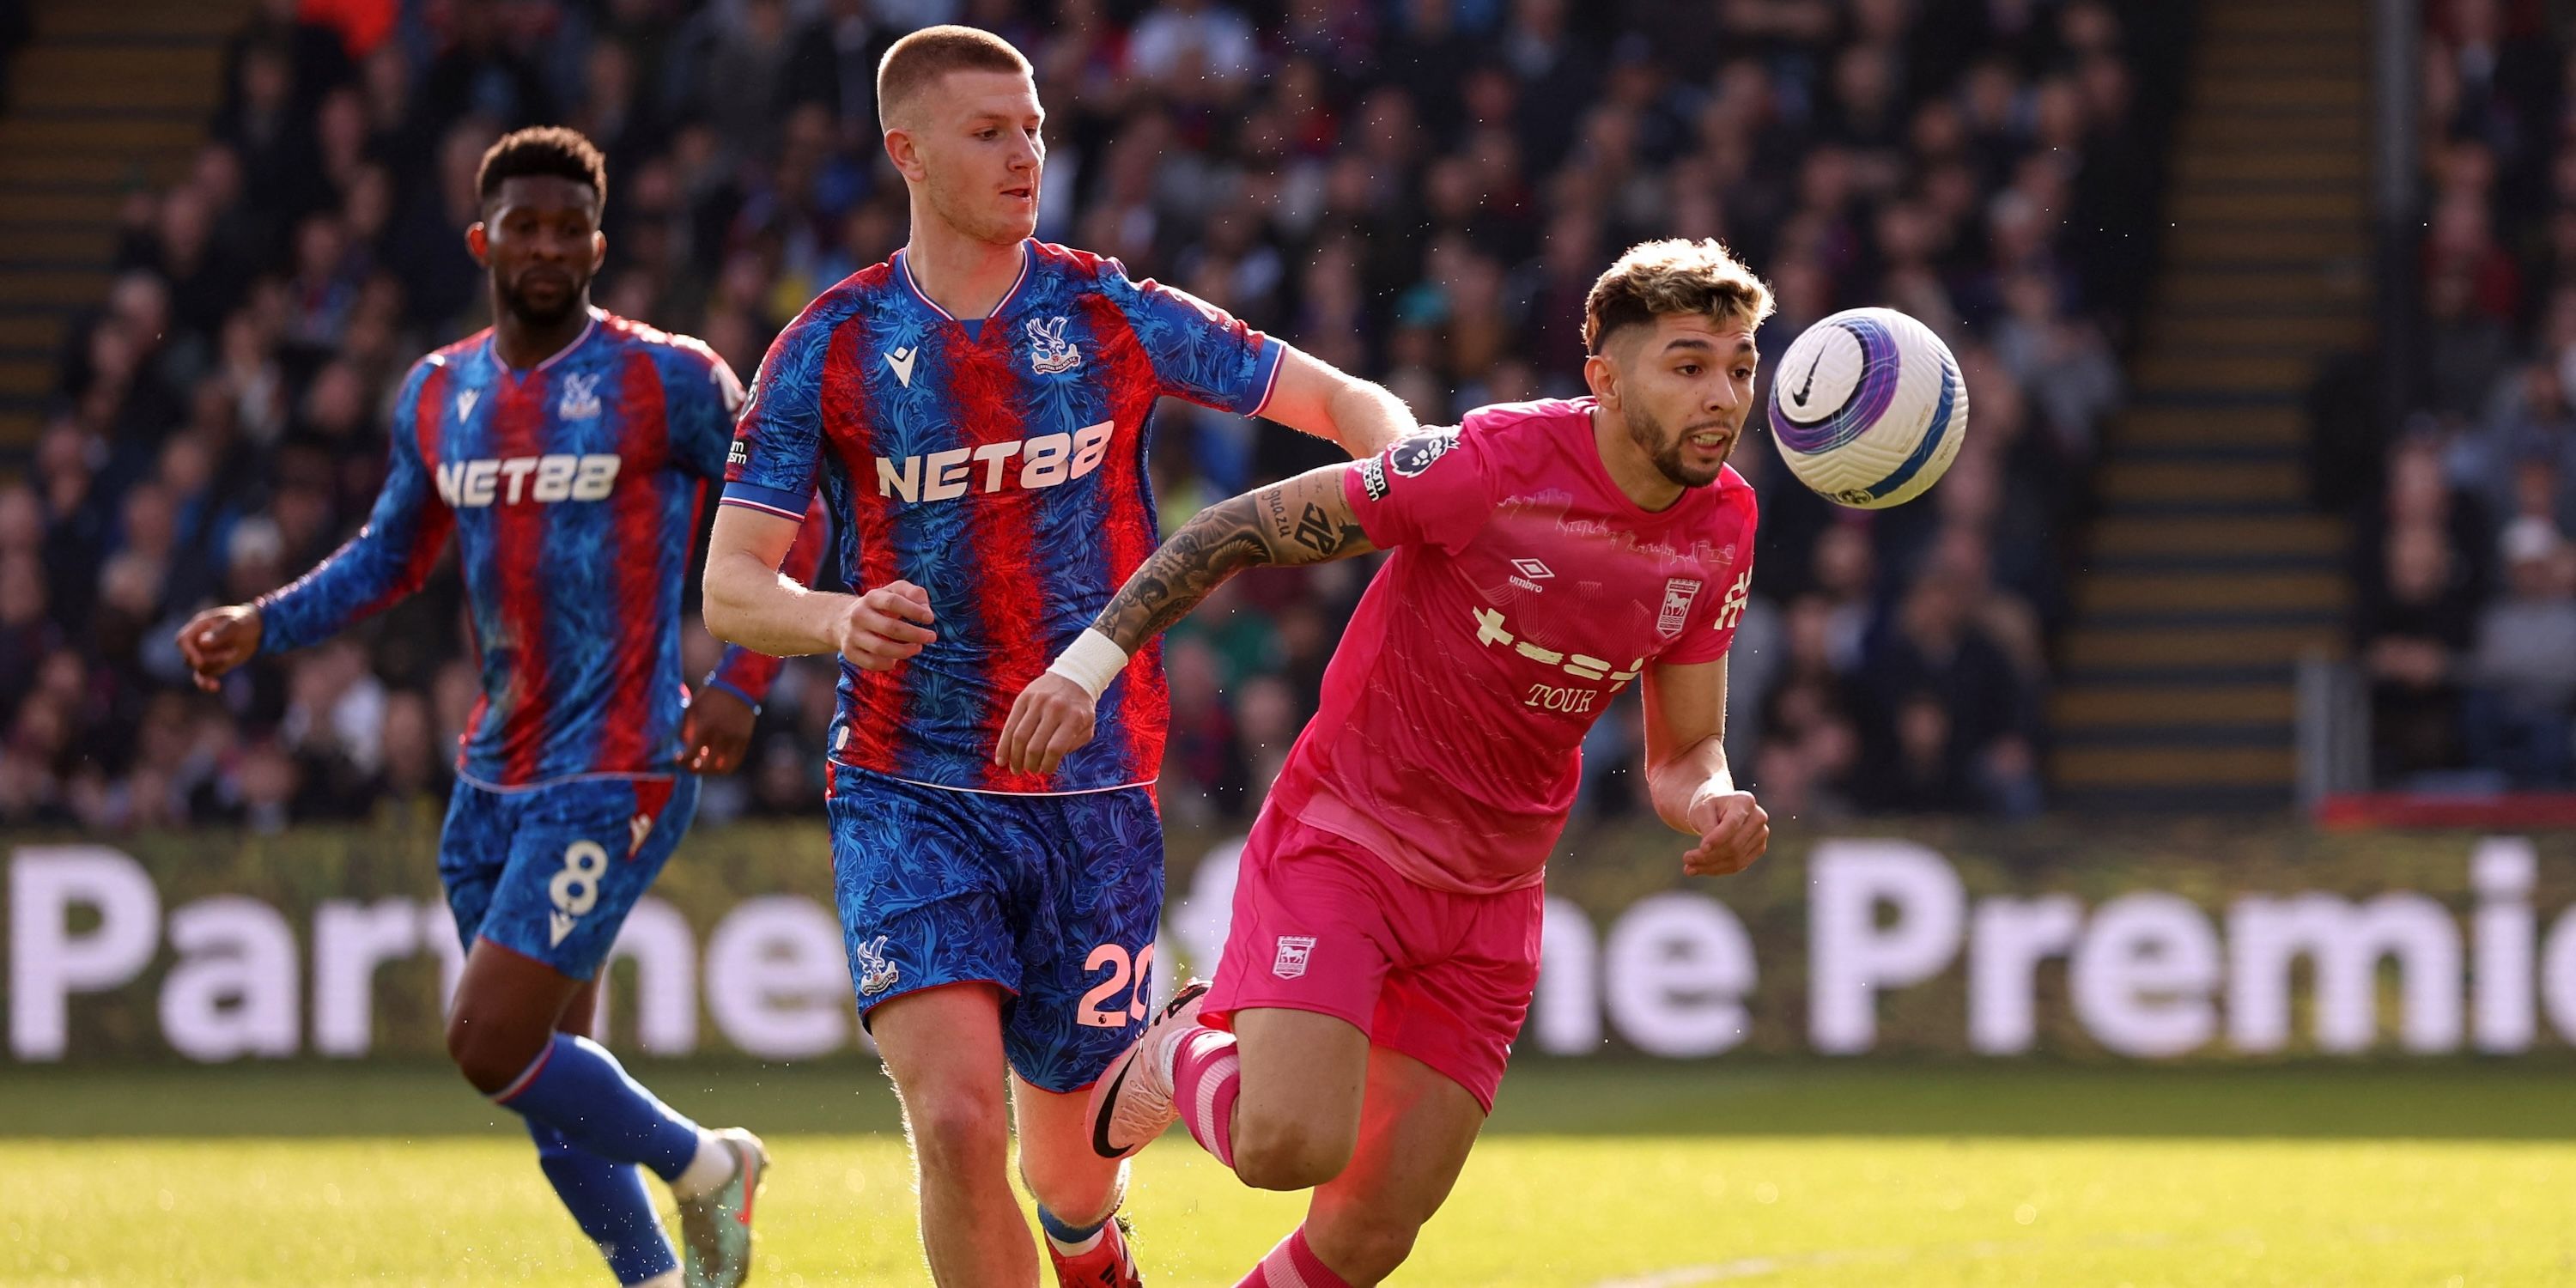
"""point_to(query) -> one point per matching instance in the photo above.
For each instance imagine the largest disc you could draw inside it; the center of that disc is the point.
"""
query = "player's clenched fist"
(887, 625)
(217, 640)
(715, 730)
(1733, 832)
(1050, 721)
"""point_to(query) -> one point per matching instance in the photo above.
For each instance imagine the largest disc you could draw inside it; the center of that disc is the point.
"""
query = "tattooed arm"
(1304, 520)
(1301, 521)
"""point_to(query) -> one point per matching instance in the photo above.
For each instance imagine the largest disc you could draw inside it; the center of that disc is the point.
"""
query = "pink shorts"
(1322, 925)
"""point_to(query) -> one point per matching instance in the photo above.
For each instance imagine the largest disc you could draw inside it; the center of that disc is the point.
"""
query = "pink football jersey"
(1525, 589)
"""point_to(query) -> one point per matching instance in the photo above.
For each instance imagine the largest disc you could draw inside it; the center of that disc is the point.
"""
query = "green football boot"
(715, 1227)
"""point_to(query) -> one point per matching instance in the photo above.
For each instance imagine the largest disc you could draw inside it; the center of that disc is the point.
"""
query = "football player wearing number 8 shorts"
(975, 411)
(568, 451)
(1385, 933)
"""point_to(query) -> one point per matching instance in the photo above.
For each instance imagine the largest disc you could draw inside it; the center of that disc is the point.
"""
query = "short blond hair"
(917, 61)
(1673, 276)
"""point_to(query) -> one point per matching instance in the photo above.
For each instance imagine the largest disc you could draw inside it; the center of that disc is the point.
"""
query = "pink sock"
(1207, 1075)
(1293, 1265)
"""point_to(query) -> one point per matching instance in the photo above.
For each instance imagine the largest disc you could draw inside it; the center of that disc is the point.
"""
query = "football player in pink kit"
(1385, 939)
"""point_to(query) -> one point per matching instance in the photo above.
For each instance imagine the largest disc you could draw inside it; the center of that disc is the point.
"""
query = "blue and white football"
(1867, 408)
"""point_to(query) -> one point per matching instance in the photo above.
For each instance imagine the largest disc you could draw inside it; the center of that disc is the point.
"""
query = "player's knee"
(958, 1130)
(1364, 1246)
(489, 1055)
(1284, 1153)
(1074, 1184)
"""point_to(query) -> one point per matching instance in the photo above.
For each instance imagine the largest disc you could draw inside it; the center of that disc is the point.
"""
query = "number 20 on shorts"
(1100, 1008)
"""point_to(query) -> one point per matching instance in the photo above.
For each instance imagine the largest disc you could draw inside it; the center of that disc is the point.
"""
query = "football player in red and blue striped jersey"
(975, 413)
(569, 452)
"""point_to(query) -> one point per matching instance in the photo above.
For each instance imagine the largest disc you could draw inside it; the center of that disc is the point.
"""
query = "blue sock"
(1068, 1235)
(576, 1087)
(608, 1201)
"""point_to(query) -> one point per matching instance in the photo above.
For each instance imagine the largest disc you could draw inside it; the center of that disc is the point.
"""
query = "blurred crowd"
(16, 25)
(2467, 577)
(1416, 190)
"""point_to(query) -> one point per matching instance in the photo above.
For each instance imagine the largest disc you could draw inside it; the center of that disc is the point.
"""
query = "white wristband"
(1092, 661)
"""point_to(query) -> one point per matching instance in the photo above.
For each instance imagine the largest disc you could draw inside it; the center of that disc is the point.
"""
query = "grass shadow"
(2441, 1099)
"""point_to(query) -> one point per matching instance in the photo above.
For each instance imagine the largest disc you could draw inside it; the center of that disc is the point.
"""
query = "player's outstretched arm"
(1323, 400)
(389, 559)
(1304, 520)
(1686, 771)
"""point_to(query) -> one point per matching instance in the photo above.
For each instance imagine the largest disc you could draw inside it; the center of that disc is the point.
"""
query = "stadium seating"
(2210, 574)
(1419, 192)
(2464, 494)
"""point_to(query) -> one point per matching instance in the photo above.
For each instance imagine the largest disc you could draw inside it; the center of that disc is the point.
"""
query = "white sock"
(667, 1279)
(1077, 1249)
(707, 1172)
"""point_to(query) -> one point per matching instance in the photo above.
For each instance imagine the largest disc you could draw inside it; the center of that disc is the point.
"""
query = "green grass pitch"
(1644, 1176)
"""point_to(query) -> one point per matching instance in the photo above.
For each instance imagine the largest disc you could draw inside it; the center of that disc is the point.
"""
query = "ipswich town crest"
(1678, 594)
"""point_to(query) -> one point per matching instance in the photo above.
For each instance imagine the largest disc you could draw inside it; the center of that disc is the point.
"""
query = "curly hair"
(546, 150)
(1674, 275)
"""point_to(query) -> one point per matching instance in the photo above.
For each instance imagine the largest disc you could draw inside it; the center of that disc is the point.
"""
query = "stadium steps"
(2190, 481)
(2178, 328)
(2280, 427)
(2231, 134)
(110, 96)
(2206, 577)
(194, 21)
(2266, 242)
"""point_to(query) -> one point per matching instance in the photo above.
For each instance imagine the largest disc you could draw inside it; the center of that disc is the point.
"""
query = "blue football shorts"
(550, 872)
(1054, 898)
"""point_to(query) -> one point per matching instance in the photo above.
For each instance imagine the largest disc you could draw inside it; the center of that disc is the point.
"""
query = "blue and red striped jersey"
(1000, 465)
(574, 489)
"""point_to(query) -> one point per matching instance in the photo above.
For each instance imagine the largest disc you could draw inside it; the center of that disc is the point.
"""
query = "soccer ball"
(1867, 408)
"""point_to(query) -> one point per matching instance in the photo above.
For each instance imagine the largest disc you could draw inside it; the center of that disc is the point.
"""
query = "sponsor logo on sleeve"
(1731, 610)
(1373, 477)
(1414, 455)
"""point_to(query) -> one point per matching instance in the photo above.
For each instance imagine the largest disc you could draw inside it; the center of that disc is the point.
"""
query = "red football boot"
(1107, 1265)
